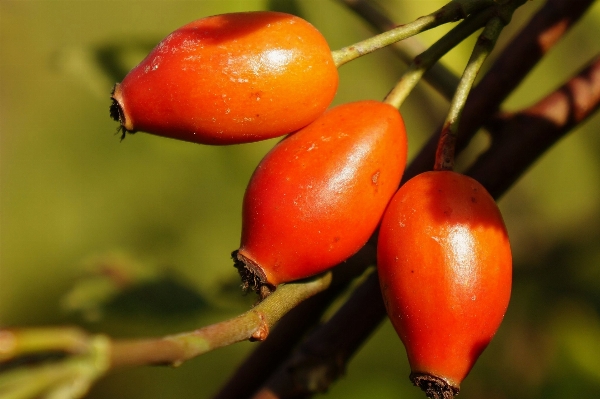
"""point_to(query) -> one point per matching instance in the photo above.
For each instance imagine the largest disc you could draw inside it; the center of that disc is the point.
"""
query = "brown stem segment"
(444, 156)
(321, 358)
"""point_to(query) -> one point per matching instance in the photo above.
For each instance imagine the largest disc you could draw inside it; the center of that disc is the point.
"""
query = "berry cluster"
(444, 258)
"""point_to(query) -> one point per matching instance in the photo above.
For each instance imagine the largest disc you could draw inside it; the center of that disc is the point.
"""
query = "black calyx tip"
(251, 275)
(115, 111)
(117, 114)
(434, 387)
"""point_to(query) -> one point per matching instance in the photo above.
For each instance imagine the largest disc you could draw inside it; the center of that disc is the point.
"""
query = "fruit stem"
(444, 157)
(425, 60)
(438, 76)
(451, 12)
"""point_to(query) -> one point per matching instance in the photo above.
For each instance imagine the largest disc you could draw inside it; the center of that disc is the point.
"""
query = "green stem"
(428, 58)
(252, 325)
(14, 343)
(88, 357)
(438, 76)
(453, 11)
(444, 158)
(69, 378)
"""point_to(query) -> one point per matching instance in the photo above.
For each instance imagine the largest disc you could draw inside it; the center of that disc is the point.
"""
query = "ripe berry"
(318, 195)
(229, 79)
(445, 268)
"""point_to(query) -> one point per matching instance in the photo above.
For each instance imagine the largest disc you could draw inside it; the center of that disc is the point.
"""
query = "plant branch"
(444, 159)
(321, 359)
(547, 26)
(428, 58)
(71, 377)
(31, 341)
(451, 12)
(254, 324)
(544, 20)
(74, 360)
(259, 365)
(527, 134)
(438, 76)
(518, 58)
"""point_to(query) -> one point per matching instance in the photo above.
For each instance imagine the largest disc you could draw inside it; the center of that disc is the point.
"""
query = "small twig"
(424, 61)
(84, 358)
(444, 157)
(438, 76)
(544, 30)
(252, 325)
(30, 341)
(70, 377)
(451, 12)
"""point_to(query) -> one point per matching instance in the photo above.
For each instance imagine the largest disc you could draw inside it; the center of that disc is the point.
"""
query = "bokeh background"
(78, 206)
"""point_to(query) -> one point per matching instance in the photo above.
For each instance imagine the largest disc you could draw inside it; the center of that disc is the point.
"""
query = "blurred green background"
(74, 198)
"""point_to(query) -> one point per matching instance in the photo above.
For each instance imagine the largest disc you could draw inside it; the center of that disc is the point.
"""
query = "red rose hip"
(445, 269)
(318, 195)
(229, 79)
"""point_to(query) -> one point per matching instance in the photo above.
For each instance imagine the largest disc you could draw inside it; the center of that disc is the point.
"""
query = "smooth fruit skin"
(445, 268)
(319, 194)
(229, 79)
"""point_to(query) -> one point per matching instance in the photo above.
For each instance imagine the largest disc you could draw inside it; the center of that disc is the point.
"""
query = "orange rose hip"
(318, 195)
(229, 79)
(445, 268)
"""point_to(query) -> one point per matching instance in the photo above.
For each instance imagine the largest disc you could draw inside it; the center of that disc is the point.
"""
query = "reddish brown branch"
(322, 358)
(529, 133)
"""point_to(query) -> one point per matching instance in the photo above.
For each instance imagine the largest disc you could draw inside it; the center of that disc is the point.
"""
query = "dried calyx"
(434, 387)
(253, 278)
(117, 113)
